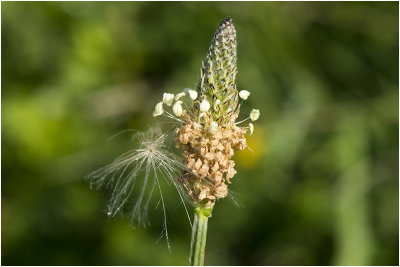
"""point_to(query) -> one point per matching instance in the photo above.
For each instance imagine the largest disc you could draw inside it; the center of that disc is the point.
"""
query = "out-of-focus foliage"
(322, 184)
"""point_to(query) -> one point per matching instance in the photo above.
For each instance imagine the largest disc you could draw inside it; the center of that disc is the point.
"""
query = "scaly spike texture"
(210, 136)
(218, 74)
(208, 157)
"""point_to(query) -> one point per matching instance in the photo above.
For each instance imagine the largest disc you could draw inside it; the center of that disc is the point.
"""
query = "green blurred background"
(321, 187)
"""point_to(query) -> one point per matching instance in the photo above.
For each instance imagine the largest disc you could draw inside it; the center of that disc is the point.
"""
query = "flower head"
(209, 136)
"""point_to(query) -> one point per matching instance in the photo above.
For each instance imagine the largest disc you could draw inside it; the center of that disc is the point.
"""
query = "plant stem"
(199, 235)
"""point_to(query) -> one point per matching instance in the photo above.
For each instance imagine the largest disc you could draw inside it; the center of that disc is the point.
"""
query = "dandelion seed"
(139, 171)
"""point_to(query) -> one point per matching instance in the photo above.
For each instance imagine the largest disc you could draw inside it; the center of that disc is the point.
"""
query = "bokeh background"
(322, 185)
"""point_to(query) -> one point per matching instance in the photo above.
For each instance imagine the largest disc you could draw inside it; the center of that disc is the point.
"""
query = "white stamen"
(192, 94)
(251, 128)
(204, 106)
(177, 108)
(254, 114)
(168, 99)
(179, 96)
(158, 110)
(213, 127)
(244, 94)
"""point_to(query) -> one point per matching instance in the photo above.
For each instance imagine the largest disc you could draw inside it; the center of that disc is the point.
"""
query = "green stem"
(199, 235)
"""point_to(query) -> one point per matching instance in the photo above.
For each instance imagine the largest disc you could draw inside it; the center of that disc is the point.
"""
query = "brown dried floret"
(209, 159)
